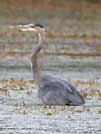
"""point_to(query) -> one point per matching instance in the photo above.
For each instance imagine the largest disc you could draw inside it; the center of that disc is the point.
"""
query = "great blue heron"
(52, 91)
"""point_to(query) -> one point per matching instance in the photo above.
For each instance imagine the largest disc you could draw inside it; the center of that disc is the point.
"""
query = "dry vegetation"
(28, 85)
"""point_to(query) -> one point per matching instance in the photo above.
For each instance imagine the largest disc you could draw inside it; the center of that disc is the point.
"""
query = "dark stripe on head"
(38, 25)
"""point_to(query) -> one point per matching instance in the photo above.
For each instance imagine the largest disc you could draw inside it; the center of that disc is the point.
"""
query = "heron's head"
(33, 27)
(36, 28)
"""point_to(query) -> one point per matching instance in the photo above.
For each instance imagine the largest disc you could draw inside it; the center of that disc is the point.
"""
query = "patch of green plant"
(88, 109)
(21, 88)
(99, 111)
(84, 35)
(49, 113)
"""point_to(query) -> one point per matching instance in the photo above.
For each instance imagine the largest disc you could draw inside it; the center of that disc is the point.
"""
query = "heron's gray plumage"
(55, 91)
(52, 91)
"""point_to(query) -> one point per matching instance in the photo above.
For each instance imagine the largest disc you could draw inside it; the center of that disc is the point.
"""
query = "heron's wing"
(59, 84)
(52, 92)
(60, 92)
(55, 92)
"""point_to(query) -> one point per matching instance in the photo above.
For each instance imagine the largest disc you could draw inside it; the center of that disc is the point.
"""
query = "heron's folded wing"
(58, 84)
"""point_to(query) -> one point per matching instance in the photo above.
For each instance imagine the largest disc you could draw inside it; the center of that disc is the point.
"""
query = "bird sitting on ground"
(52, 90)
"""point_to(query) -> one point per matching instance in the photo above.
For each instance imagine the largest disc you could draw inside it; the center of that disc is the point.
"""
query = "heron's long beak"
(29, 27)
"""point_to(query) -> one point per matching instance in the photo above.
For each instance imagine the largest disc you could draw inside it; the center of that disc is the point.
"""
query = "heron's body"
(52, 91)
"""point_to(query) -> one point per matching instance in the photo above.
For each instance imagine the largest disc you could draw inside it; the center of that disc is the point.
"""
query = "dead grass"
(13, 84)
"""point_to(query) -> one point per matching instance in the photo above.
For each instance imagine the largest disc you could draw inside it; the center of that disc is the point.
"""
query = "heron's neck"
(35, 61)
(42, 38)
(36, 69)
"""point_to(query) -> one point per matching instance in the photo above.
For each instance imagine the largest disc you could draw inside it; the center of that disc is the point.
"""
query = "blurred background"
(73, 32)
(73, 53)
